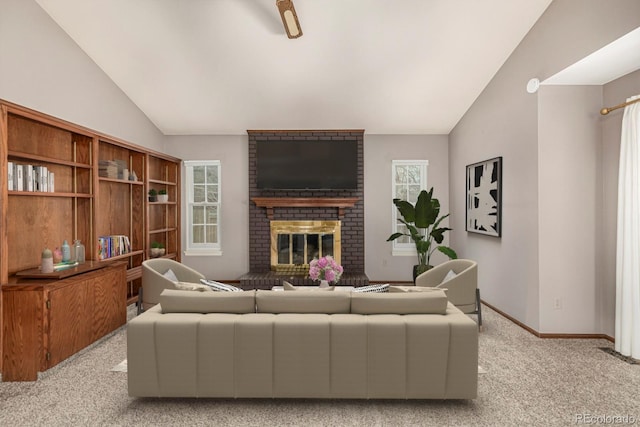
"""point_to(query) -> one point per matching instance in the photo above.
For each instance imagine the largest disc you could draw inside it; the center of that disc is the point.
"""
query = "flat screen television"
(307, 165)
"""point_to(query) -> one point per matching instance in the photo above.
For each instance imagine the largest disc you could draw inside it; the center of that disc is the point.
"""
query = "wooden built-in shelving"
(84, 205)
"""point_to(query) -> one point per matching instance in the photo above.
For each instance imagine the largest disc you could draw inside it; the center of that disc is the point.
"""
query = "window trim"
(211, 249)
(405, 249)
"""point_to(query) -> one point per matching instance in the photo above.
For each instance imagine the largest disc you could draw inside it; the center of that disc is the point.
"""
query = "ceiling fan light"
(289, 18)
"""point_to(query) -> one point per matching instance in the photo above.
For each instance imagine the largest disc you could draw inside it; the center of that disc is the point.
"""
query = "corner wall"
(569, 148)
(503, 121)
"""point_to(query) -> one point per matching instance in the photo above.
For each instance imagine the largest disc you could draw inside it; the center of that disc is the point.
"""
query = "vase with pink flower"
(325, 269)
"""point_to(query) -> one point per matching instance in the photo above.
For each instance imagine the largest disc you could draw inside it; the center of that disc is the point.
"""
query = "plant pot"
(163, 198)
(153, 199)
(418, 269)
(157, 252)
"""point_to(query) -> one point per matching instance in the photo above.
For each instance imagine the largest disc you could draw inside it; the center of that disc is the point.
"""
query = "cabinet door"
(69, 328)
(23, 355)
(109, 306)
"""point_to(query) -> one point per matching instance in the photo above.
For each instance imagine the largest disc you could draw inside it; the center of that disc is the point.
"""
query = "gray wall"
(232, 151)
(569, 145)
(504, 121)
(379, 151)
(43, 69)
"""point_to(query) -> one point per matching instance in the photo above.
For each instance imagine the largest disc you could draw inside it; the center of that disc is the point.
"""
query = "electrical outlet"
(557, 304)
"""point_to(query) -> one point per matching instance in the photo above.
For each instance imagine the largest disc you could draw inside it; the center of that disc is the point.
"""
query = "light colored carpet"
(530, 381)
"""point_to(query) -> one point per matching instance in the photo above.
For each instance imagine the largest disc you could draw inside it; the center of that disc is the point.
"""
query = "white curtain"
(628, 248)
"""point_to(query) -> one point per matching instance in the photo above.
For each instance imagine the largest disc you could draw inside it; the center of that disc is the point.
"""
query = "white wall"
(504, 121)
(569, 146)
(233, 153)
(379, 151)
(43, 69)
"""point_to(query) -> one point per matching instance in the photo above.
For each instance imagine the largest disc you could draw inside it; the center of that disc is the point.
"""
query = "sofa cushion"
(179, 301)
(302, 302)
(399, 303)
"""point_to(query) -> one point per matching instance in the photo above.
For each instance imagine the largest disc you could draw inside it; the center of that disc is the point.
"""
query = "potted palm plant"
(423, 223)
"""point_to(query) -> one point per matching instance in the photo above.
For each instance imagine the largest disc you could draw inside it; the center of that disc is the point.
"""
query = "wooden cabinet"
(46, 321)
(77, 201)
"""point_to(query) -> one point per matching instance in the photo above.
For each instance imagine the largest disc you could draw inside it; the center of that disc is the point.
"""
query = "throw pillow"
(217, 286)
(186, 286)
(289, 287)
(372, 288)
(450, 275)
(169, 274)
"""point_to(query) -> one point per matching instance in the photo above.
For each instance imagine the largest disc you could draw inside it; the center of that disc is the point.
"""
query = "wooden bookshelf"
(84, 205)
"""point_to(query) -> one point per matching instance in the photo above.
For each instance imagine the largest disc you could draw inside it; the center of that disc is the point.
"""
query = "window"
(409, 177)
(203, 207)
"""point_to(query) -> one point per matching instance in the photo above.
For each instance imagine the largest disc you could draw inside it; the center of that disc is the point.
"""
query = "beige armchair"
(462, 290)
(154, 281)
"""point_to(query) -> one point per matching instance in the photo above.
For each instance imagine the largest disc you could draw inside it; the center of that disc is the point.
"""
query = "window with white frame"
(203, 207)
(409, 177)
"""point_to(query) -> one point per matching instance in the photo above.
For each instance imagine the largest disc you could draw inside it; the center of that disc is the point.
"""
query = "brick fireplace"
(346, 206)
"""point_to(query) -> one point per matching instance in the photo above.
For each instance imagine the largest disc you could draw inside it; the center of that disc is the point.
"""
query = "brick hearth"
(260, 276)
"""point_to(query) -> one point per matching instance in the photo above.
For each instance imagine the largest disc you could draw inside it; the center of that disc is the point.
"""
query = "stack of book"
(111, 246)
(29, 178)
(108, 169)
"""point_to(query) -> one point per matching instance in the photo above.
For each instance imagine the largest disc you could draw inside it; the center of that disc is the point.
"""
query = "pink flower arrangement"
(325, 268)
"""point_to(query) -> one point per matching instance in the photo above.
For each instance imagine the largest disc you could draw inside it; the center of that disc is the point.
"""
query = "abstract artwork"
(484, 197)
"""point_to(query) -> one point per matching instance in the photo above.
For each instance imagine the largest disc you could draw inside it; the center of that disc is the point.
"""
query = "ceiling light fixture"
(289, 18)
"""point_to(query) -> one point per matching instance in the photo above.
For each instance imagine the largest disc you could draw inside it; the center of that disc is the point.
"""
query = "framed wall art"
(484, 197)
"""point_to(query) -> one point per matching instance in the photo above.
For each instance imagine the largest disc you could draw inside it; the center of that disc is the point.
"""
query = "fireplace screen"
(294, 244)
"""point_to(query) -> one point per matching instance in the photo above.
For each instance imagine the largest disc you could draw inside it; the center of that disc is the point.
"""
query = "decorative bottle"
(47, 262)
(66, 252)
(79, 251)
(57, 256)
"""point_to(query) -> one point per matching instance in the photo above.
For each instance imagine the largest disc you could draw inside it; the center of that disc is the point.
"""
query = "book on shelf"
(19, 181)
(112, 246)
(51, 184)
(108, 169)
(10, 182)
(36, 178)
(28, 177)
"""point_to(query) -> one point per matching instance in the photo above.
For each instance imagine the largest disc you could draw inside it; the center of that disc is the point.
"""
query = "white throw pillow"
(372, 288)
(169, 274)
(450, 275)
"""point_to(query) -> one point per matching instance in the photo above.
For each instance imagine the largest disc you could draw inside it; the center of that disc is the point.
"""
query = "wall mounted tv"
(307, 165)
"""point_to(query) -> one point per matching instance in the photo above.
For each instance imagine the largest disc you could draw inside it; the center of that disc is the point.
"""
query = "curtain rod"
(607, 110)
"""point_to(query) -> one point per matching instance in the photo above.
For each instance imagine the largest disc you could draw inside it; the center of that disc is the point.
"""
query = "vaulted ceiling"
(224, 66)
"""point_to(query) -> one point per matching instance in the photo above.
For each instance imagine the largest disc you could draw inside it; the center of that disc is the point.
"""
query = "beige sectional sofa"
(303, 344)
